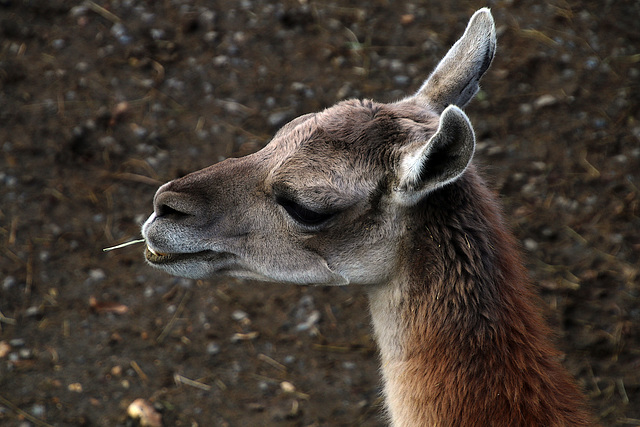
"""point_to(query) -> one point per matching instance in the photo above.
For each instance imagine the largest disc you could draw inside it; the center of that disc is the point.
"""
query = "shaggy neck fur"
(461, 339)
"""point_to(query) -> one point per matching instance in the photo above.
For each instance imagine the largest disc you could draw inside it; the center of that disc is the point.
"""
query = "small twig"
(15, 258)
(138, 163)
(22, 413)
(7, 320)
(29, 279)
(200, 124)
(179, 379)
(332, 318)
(13, 228)
(174, 319)
(539, 36)
(236, 106)
(103, 12)
(635, 187)
(576, 236)
(249, 336)
(127, 176)
(630, 421)
(332, 348)
(159, 70)
(592, 171)
(274, 363)
(139, 371)
(622, 391)
(175, 104)
(122, 245)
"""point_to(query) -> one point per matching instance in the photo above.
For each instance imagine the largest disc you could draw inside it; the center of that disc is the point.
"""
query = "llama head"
(328, 200)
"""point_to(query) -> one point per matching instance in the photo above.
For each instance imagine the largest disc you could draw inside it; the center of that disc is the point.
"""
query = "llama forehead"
(373, 129)
(348, 147)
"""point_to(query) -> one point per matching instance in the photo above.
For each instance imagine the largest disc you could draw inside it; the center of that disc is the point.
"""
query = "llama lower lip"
(155, 257)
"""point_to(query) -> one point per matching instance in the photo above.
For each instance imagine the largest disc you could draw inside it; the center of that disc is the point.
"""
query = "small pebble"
(349, 365)
(401, 80)
(139, 131)
(97, 274)
(17, 342)
(591, 63)
(9, 282)
(120, 33)
(213, 348)
(25, 353)
(287, 387)
(82, 67)
(78, 11)
(279, 118)
(311, 321)
(32, 311)
(545, 101)
(75, 387)
(239, 315)
(5, 348)
(144, 413)
(157, 33)
(38, 410)
(530, 244)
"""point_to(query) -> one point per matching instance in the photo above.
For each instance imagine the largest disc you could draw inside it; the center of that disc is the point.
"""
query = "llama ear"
(442, 159)
(456, 78)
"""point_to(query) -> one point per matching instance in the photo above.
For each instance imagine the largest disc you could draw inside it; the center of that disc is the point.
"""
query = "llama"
(386, 196)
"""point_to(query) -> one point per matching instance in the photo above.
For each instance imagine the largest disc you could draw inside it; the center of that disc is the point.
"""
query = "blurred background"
(101, 102)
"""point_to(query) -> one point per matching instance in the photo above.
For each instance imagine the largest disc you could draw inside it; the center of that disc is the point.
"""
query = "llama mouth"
(155, 257)
(158, 258)
(156, 253)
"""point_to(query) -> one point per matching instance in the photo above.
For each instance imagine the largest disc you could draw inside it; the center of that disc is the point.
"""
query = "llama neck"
(460, 338)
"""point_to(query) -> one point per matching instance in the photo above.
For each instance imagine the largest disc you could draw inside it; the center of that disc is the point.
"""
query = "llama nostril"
(169, 204)
(166, 210)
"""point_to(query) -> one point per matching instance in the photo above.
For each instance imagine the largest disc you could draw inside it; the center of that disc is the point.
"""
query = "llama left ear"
(456, 78)
(442, 159)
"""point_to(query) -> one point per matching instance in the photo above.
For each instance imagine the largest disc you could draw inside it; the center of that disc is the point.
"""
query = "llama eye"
(303, 215)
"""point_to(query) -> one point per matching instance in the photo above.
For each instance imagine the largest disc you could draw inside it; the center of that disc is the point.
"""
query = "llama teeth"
(154, 252)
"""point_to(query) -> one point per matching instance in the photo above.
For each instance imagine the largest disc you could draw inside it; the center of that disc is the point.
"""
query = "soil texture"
(103, 101)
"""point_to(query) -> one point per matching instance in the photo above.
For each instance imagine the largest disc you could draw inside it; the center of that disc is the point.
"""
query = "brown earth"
(101, 102)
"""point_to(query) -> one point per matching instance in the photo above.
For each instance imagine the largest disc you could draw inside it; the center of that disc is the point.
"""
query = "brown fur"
(477, 351)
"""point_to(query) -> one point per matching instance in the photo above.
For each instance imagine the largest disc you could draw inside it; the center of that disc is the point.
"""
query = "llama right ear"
(456, 78)
(426, 166)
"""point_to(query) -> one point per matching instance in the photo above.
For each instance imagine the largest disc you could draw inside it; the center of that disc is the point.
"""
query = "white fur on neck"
(391, 333)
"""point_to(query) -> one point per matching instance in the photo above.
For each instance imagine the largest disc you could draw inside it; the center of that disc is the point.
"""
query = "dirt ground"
(102, 102)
